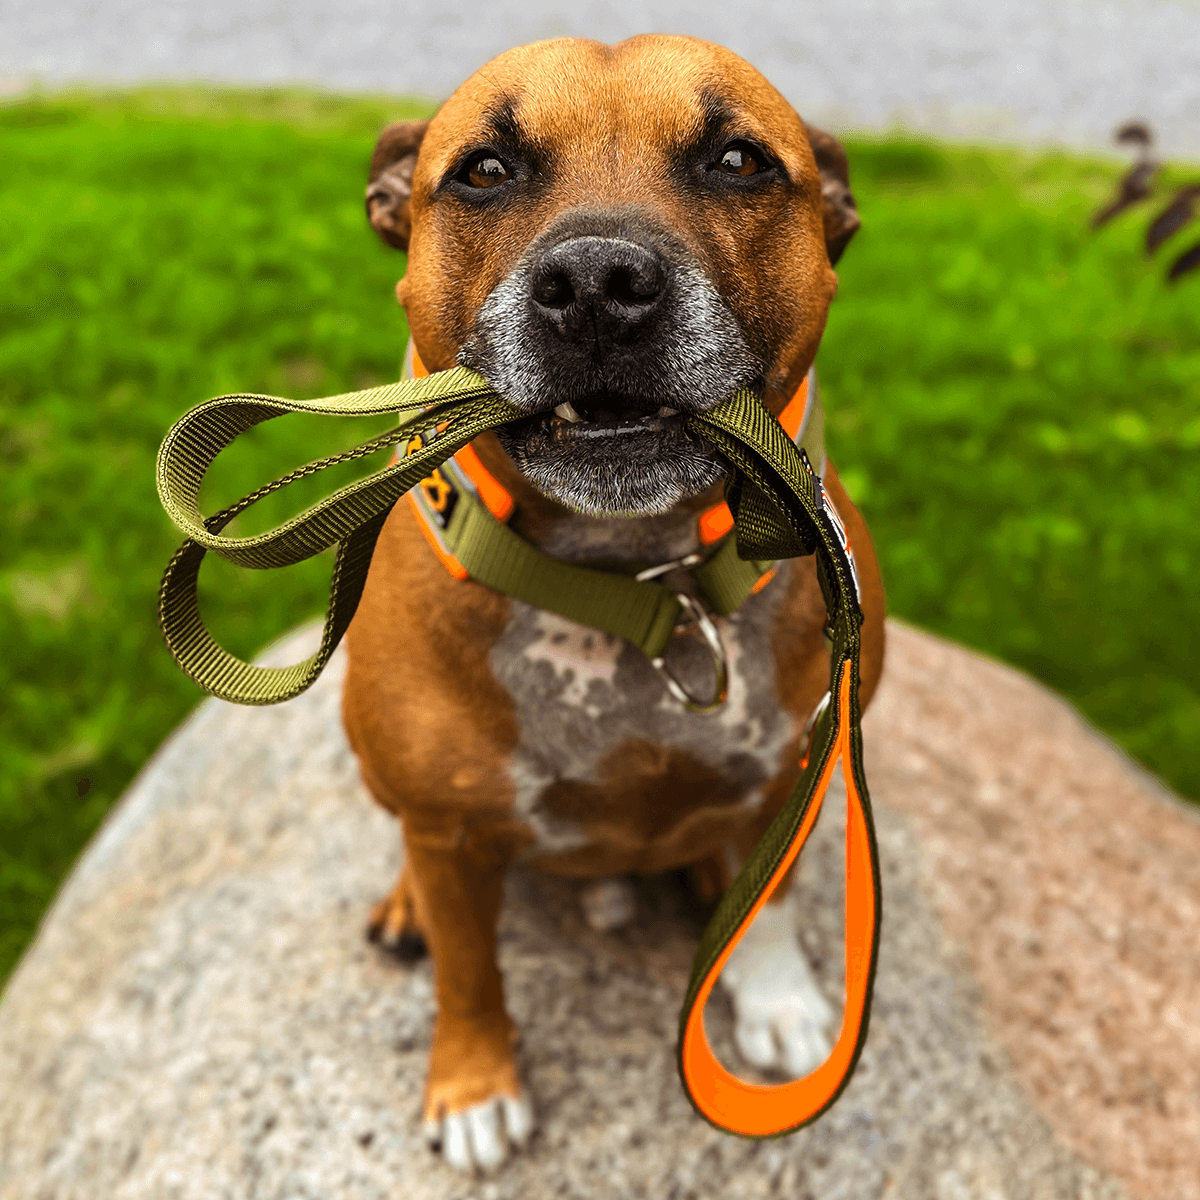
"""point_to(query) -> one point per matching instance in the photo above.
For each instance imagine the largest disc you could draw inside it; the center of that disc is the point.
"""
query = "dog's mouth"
(610, 335)
(609, 417)
(597, 423)
(611, 454)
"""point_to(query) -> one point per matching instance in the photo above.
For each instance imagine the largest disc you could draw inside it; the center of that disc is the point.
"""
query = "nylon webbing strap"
(645, 613)
(351, 518)
(726, 579)
(642, 613)
(778, 507)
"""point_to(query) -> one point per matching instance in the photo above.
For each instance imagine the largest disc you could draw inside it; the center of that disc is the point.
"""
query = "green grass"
(1014, 401)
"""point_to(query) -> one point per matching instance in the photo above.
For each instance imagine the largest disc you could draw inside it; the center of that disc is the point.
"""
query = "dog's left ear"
(841, 215)
(390, 189)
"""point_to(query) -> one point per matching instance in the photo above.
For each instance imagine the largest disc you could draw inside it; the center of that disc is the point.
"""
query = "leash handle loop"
(351, 518)
(760, 1110)
(460, 396)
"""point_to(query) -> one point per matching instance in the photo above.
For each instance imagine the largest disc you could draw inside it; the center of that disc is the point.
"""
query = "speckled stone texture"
(201, 1017)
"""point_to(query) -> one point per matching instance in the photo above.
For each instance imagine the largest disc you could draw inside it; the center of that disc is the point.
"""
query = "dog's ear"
(390, 189)
(841, 215)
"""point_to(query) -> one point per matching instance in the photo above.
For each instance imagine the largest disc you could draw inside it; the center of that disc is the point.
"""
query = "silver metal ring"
(712, 637)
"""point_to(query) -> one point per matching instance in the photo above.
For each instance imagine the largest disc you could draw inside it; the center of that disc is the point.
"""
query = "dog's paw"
(480, 1136)
(781, 1019)
(475, 1105)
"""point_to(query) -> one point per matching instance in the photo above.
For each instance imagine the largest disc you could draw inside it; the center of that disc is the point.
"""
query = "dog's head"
(613, 236)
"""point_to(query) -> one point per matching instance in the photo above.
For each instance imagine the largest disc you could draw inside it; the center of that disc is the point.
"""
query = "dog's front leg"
(474, 1103)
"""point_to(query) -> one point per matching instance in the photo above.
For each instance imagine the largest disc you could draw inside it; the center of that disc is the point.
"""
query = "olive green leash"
(351, 518)
(780, 511)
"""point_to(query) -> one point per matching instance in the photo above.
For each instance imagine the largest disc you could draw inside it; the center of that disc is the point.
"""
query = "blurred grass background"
(1013, 401)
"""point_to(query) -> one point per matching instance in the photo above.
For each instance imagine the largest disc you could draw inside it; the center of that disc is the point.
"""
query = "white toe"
(487, 1141)
(756, 1043)
(479, 1136)
(455, 1144)
(803, 1046)
(518, 1117)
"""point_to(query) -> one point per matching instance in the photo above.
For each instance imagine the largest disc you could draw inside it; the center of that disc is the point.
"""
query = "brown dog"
(611, 235)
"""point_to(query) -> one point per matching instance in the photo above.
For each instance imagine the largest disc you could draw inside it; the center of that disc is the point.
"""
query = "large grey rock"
(200, 1016)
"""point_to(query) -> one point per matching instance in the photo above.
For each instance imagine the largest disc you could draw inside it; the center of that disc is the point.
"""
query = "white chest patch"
(581, 694)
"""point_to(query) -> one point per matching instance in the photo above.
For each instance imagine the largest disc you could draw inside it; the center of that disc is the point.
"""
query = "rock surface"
(201, 1017)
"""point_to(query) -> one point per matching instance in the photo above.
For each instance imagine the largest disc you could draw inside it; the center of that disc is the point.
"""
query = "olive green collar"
(462, 512)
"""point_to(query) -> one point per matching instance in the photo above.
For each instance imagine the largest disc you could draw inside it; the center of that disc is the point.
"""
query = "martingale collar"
(464, 512)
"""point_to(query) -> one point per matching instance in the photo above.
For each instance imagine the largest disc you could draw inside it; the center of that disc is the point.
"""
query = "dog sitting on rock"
(612, 236)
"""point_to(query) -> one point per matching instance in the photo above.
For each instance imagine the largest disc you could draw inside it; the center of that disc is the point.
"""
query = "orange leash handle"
(758, 1110)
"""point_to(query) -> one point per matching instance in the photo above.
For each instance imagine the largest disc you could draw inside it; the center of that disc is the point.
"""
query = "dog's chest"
(596, 721)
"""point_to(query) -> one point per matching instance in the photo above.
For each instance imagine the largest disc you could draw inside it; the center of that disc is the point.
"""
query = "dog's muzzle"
(607, 332)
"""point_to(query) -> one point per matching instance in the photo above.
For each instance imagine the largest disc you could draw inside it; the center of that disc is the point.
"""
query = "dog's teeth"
(567, 413)
(667, 412)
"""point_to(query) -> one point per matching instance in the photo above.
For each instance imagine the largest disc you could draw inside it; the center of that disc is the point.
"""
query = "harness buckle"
(700, 618)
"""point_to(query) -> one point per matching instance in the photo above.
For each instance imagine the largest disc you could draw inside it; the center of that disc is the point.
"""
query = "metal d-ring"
(712, 637)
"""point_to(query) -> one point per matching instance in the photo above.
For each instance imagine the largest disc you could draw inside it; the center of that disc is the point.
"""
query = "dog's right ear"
(841, 215)
(390, 189)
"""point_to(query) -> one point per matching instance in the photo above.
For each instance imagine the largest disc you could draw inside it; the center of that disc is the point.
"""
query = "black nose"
(597, 287)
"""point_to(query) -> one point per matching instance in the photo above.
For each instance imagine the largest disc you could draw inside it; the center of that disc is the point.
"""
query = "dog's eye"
(740, 159)
(486, 170)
